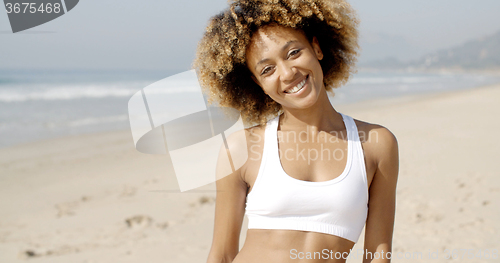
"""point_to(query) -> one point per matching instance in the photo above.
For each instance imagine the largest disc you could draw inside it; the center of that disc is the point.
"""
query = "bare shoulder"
(243, 146)
(242, 140)
(377, 140)
(255, 132)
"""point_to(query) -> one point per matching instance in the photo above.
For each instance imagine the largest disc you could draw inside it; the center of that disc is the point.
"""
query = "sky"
(162, 35)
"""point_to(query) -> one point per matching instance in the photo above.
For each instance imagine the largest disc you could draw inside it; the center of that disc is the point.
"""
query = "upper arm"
(230, 201)
(382, 201)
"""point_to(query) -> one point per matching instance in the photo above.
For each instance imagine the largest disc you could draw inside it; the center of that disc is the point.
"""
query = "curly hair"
(220, 60)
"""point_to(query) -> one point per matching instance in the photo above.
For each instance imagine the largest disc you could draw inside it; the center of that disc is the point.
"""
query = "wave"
(22, 93)
(95, 121)
(393, 80)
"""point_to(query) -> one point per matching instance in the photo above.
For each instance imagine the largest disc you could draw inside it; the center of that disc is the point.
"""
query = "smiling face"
(286, 66)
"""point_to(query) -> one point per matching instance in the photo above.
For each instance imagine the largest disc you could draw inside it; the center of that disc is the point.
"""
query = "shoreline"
(94, 198)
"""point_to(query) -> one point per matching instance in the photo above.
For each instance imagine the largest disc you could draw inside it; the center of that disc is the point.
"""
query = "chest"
(314, 160)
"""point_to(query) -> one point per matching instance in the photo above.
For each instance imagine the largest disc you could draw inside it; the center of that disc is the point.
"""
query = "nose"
(288, 71)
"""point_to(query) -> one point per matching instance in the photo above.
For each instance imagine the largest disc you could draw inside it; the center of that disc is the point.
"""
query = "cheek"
(272, 92)
(312, 63)
(318, 70)
(269, 85)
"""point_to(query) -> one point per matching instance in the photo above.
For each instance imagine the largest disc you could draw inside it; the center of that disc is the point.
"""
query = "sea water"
(37, 104)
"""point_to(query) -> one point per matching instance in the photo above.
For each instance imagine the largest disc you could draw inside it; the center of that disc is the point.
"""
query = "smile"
(297, 88)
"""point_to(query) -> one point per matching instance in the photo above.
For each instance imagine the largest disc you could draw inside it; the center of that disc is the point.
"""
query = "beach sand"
(94, 198)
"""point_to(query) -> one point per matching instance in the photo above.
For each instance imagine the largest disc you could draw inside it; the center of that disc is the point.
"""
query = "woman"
(314, 177)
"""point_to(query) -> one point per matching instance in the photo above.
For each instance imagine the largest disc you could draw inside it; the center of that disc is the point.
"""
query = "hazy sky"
(162, 35)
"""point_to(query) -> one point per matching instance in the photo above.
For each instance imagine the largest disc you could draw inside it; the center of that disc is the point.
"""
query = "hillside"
(478, 54)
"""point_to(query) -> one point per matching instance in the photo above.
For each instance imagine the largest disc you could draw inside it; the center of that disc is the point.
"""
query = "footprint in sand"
(204, 200)
(40, 252)
(144, 221)
(128, 191)
(66, 209)
(138, 222)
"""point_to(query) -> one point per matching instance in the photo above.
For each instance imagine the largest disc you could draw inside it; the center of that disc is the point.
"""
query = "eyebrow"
(282, 49)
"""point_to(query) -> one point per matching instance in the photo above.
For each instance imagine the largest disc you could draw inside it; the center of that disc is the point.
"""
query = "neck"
(321, 116)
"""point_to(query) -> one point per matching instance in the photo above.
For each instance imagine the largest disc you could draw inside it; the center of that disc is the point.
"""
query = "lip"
(297, 83)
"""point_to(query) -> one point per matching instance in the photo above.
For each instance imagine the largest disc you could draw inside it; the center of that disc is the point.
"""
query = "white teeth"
(297, 88)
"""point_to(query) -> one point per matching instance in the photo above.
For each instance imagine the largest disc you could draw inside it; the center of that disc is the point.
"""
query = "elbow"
(220, 258)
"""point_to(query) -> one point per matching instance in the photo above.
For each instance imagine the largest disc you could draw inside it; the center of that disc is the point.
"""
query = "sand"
(94, 198)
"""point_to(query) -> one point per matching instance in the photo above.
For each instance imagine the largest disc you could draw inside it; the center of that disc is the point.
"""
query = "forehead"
(267, 37)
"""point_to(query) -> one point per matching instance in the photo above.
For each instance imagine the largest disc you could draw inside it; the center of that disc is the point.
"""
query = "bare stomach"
(285, 246)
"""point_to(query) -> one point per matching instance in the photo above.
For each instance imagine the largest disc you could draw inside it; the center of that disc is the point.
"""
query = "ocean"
(37, 104)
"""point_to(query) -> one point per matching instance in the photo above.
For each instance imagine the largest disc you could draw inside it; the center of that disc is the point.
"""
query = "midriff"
(286, 246)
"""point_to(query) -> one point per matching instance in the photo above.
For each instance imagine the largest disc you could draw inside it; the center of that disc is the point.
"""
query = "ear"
(258, 83)
(317, 48)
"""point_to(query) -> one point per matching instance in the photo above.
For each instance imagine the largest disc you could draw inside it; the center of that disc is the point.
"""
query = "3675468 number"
(32, 8)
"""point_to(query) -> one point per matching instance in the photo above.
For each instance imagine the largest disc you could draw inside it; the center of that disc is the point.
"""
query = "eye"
(265, 70)
(293, 53)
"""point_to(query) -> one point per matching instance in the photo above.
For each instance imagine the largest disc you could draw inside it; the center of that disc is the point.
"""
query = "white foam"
(95, 121)
(392, 80)
(20, 93)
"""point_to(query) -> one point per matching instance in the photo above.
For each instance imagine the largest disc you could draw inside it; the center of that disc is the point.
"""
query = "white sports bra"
(337, 207)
